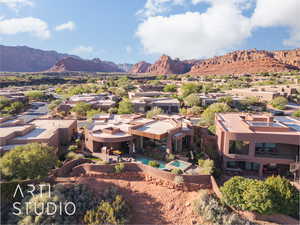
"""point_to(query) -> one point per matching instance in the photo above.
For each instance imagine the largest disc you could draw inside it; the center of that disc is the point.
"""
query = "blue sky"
(134, 30)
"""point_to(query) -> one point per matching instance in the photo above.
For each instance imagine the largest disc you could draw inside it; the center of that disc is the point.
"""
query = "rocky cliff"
(25, 59)
(249, 61)
(73, 64)
(140, 67)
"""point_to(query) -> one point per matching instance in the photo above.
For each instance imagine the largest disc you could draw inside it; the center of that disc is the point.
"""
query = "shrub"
(119, 168)
(178, 180)
(72, 148)
(153, 163)
(115, 212)
(296, 113)
(192, 100)
(279, 102)
(208, 115)
(170, 157)
(206, 165)
(154, 112)
(28, 161)
(73, 155)
(274, 195)
(177, 171)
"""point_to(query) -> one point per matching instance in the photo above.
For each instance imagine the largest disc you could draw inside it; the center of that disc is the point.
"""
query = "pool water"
(180, 164)
(145, 161)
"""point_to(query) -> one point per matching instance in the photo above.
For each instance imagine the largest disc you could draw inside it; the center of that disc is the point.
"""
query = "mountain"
(140, 67)
(249, 61)
(126, 67)
(25, 59)
(74, 64)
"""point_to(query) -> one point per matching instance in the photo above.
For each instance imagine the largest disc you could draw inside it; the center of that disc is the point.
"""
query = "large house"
(134, 133)
(260, 144)
(53, 132)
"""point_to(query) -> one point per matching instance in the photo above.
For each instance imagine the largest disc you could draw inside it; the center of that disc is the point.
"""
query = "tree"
(170, 88)
(91, 113)
(36, 95)
(195, 110)
(14, 107)
(154, 112)
(209, 113)
(81, 108)
(296, 113)
(226, 99)
(286, 195)
(189, 88)
(28, 161)
(125, 107)
(192, 100)
(279, 102)
(54, 104)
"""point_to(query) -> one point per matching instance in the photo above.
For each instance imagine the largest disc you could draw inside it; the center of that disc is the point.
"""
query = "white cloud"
(195, 35)
(66, 26)
(31, 25)
(128, 49)
(222, 27)
(285, 13)
(82, 51)
(16, 4)
(154, 7)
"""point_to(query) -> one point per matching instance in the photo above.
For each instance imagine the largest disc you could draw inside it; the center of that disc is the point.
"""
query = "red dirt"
(151, 204)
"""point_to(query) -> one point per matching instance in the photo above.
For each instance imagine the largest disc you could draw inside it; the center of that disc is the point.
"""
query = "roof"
(157, 127)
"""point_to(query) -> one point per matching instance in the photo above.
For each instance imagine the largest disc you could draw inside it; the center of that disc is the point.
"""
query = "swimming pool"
(179, 164)
(146, 160)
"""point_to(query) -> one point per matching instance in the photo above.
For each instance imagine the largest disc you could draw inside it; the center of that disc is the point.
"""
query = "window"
(239, 147)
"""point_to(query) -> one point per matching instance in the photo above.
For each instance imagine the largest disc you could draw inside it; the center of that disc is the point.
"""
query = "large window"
(276, 150)
(239, 147)
(248, 166)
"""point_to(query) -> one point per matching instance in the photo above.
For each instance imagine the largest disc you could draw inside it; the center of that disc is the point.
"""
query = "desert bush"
(178, 180)
(206, 165)
(274, 195)
(153, 163)
(177, 171)
(170, 157)
(72, 148)
(73, 155)
(115, 212)
(119, 168)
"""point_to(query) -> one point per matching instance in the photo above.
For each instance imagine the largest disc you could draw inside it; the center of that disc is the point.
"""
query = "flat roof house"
(134, 133)
(259, 144)
(53, 132)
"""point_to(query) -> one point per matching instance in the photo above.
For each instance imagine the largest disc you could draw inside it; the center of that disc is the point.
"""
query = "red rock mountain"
(25, 59)
(73, 64)
(140, 67)
(249, 61)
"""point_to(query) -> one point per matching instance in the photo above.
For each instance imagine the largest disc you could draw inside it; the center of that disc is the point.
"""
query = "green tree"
(81, 108)
(296, 113)
(28, 161)
(91, 113)
(125, 107)
(154, 112)
(279, 102)
(170, 88)
(286, 196)
(54, 104)
(36, 95)
(192, 100)
(195, 110)
(209, 113)
(189, 88)
(226, 99)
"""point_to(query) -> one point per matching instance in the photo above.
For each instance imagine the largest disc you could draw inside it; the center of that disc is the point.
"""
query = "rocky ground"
(151, 204)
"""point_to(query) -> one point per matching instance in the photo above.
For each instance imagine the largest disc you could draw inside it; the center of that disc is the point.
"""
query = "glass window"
(239, 147)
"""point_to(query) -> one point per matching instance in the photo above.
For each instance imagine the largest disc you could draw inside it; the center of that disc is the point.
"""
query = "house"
(259, 144)
(167, 105)
(134, 133)
(50, 131)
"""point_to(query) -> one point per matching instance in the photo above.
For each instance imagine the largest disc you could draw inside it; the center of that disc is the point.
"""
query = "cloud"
(154, 7)
(270, 13)
(82, 50)
(223, 27)
(31, 25)
(194, 34)
(128, 49)
(66, 26)
(16, 4)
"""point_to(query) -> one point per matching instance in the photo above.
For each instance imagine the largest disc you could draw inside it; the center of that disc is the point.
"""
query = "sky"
(128, 31)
